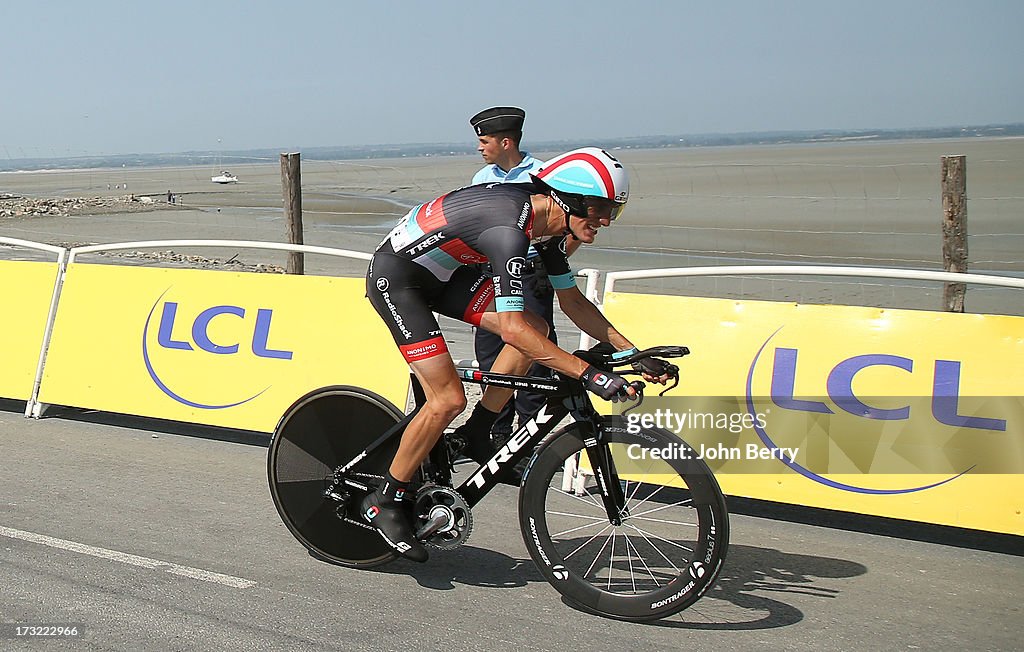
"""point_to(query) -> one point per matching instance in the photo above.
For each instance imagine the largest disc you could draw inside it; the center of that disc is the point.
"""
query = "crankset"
(445, 520)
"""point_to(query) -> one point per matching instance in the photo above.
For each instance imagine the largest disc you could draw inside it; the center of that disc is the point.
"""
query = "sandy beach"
(853, 203)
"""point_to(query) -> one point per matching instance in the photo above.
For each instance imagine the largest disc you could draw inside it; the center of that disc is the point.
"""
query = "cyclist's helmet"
(584, 176)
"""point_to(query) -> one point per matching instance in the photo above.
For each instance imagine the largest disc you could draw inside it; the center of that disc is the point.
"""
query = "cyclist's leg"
(400, 292)
(445, 400)
(487, 346)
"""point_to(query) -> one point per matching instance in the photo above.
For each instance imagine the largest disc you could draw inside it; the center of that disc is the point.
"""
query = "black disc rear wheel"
(320, 432)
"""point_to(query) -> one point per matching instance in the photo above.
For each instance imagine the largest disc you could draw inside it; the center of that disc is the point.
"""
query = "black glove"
(653, 367)
(609, 386)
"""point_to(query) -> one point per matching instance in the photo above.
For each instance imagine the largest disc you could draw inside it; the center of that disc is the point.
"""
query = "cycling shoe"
(392, 523)
(479, 447)
(475, 435)
(514, 476)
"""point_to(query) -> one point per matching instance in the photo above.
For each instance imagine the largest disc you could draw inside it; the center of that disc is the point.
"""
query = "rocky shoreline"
(17, 206)
(172, 258)
(14, 206)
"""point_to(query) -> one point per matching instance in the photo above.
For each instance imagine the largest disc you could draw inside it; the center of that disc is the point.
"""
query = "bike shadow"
(750, 592)
(470, 566)
(752, 573)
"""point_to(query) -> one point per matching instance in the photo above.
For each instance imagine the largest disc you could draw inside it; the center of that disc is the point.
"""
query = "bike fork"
(612, 494)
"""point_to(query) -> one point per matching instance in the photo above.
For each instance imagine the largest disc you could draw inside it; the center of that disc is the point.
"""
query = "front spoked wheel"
(674, 529)
(320, 432)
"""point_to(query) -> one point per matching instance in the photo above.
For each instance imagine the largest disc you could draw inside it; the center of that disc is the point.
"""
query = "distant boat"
(224, 177)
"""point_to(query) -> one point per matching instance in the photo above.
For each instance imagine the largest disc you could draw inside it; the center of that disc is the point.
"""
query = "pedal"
(439, 519)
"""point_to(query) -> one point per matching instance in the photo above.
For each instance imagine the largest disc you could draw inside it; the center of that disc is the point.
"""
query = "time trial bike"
(613, 524)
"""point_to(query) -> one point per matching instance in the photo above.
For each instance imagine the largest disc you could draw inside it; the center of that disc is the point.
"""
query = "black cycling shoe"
(479, 447)
(475, 435)
(391, 520)
(514, 476)
(481, 450)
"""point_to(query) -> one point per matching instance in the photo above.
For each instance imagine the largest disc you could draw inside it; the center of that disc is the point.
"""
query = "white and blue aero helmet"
(586, 172)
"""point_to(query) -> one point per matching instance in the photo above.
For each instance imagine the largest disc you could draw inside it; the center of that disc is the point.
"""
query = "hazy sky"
(102, 77)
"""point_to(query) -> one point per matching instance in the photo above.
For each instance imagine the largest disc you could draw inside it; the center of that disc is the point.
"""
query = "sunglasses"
(600, 208)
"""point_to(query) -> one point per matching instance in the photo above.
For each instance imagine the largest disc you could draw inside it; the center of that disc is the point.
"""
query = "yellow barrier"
(220, 348)
(26, 289)
(906, 414)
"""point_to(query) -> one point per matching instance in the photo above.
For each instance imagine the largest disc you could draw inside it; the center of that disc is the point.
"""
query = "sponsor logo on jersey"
(480, 302)
(515, 266)
(477, 283)
(524, 215)
(428, 242)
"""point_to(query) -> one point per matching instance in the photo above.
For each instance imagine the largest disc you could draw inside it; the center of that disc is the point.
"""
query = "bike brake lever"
(639, 387)
(675, 383)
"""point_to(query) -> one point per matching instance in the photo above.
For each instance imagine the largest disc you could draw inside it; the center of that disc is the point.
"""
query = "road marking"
(126, 558)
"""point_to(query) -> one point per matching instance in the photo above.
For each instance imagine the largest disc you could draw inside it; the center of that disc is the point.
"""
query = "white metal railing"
(815, 270)
(61, 254)
(590, 290)
(593, 278)
(28, 244)
(247, 244)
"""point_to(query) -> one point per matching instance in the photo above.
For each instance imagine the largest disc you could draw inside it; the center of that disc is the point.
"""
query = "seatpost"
(418, 395)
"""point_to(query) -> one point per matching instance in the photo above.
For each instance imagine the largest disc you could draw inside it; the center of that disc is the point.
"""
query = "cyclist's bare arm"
(517, 331)
(589, 319)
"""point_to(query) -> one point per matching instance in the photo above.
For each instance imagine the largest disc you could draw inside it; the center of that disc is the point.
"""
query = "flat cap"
(499, 118)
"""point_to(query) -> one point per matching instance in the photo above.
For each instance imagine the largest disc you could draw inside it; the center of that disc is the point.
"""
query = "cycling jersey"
(421, 266)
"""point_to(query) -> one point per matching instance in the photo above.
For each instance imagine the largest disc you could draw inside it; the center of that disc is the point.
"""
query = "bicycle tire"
(321, 431)
(673, 540)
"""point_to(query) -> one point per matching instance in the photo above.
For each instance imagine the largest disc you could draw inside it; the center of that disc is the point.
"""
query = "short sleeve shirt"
(519, 174)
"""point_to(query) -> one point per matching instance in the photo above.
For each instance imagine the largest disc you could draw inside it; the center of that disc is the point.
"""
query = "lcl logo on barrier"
(839, 387)
(170, 323)
(839, 384)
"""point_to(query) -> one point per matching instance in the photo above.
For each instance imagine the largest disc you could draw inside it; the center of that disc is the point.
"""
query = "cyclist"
(425, 265)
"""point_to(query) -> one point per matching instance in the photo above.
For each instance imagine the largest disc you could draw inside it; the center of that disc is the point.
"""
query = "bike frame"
(565, 397)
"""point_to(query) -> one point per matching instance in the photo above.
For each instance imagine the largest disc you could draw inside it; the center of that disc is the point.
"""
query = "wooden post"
(291, 185)
(954, 228)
